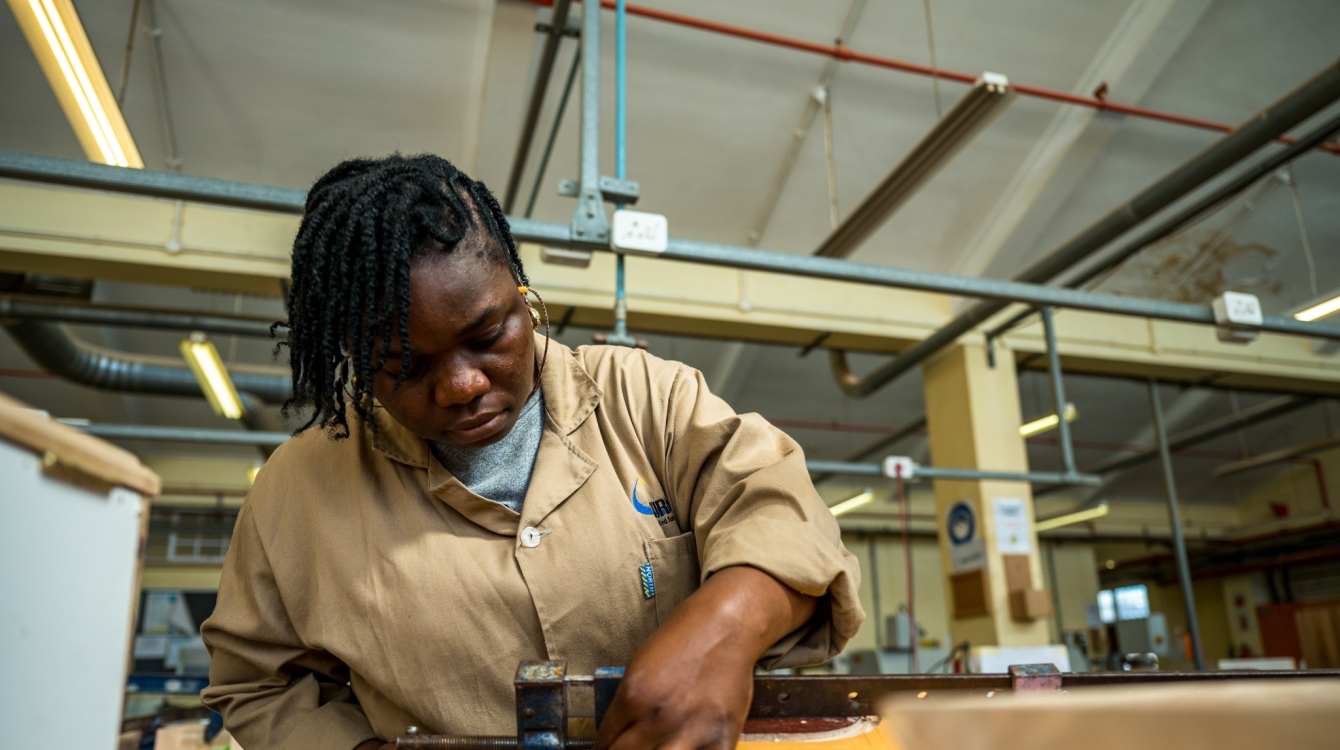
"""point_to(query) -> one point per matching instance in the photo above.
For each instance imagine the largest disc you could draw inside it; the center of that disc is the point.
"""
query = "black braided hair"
(364, 223)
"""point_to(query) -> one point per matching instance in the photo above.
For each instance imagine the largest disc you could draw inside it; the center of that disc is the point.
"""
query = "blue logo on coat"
(659, 508)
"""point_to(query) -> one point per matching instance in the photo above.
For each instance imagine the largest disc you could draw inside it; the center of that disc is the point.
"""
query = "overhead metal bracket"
(590, 224)
(573, 30)
(623, 192)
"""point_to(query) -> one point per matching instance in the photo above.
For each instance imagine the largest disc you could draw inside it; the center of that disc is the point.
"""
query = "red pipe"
(9, 372)
(846, 54)
(1321, 482)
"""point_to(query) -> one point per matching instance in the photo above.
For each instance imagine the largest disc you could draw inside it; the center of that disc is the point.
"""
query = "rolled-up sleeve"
(273, 693)
(751, 502)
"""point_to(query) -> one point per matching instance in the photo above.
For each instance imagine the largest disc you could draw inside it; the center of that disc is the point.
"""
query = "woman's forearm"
(745, 607)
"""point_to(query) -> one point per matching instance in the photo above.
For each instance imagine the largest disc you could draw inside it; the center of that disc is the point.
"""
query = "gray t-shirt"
(500, 472)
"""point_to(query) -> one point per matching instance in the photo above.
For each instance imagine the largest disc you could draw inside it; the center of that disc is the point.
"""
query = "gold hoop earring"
(535, 319)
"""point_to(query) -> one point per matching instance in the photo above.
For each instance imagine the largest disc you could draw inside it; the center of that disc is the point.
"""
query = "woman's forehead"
(451, 294)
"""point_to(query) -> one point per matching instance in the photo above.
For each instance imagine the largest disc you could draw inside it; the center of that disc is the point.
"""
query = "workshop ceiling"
(276, 91)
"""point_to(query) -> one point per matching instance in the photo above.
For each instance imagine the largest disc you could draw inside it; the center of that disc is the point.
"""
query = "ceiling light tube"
(1320, 310)
(212, 376)
(57, 38)
(1069, 518)
(1049, 422)
(853, 503)
(986, 99)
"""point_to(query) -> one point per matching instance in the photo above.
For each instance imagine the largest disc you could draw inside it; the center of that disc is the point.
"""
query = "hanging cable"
(825, 96)
(164, 108)
(798, 135)
(125, 61)
(935, 69)
(914, 636)
(1302, 231)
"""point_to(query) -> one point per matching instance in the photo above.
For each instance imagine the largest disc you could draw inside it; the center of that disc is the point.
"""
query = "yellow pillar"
(973, 417)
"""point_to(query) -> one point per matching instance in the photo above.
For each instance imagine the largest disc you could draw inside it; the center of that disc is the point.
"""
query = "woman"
(481, 495)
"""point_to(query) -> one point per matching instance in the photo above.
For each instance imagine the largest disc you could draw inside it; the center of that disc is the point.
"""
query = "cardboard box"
(1030, 605)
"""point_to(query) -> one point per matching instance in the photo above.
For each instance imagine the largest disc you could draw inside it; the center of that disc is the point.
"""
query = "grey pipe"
(934, 472)
(1058, 392)
(109, 315)
(1272, 122)
(52, 346)
(138, 181)
(264, 439)
(1175, 523)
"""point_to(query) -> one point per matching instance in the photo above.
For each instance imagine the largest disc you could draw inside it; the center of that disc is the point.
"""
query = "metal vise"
(547, 697)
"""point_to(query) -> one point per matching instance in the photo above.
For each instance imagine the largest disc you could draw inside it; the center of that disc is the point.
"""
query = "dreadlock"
(364, 223)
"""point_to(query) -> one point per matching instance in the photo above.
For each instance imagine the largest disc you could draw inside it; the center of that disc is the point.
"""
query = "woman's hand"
(690, 684)
(376, 745)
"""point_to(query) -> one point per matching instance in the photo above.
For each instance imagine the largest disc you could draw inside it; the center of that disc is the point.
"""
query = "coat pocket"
(675, 574)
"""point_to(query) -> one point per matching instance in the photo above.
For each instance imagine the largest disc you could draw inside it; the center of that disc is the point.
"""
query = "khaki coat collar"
(570, 395)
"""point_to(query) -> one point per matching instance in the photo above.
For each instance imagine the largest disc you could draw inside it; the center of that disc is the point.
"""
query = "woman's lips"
(480, 431)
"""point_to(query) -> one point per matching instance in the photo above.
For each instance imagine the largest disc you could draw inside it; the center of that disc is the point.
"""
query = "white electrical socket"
(638, 232)
(1237, 316)
(895, 466)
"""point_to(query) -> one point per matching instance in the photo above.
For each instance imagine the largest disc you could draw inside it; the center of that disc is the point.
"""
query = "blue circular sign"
(962, 523)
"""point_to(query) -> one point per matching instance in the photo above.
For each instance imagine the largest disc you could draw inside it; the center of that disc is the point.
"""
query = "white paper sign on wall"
(1013, 535)
(967, 549)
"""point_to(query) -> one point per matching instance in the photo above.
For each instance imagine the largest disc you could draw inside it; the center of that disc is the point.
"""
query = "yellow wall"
(1215, 637)
(1297, 488)
(928, 580)
(1239, 588)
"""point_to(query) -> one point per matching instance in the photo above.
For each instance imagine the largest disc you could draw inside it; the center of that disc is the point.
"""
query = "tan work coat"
(367, 590)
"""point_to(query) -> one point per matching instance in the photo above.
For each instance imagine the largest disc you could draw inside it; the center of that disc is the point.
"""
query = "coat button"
(530, 536)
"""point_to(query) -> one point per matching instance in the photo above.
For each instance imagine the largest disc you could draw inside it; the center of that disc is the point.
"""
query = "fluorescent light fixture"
(1318, 311)
(1048, 422)
(209, 371)
(58, 40)
(853, 503)
(986, 99)
(1069, 518)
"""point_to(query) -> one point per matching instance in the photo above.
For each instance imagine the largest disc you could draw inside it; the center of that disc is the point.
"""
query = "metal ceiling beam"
(1273, 121)
(134, 317)
(179, 434)
(236, 437)
(557, 27)
(83, 174)
(935, 472)
(1283, 454)
(1208, 431)
(162, 184)
(47, 169)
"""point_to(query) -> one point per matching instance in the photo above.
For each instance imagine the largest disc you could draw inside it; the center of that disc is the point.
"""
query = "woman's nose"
(459, 384)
